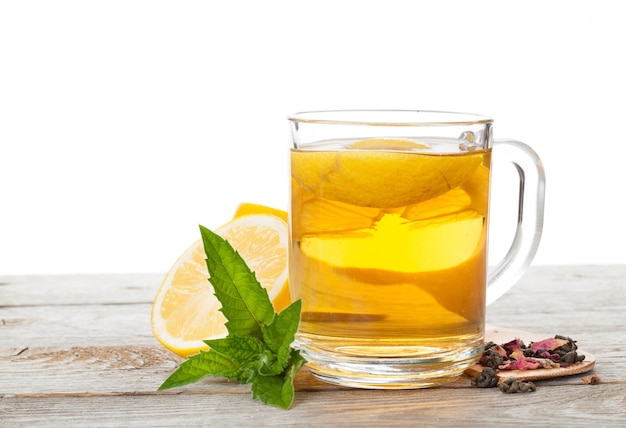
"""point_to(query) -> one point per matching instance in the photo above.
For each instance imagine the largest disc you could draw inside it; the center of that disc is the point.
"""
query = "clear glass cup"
(388, 226)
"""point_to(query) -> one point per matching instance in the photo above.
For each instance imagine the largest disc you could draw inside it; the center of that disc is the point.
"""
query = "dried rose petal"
(514, 349)
(523, 363)
(549, 344)
(591, 380)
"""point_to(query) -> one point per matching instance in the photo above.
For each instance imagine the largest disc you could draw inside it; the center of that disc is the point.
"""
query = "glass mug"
(388, 241)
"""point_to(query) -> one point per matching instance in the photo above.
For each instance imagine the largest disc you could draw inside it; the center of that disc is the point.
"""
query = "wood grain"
(78, 351)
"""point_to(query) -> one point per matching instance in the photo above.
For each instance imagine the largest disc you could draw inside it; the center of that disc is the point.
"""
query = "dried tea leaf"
(512, 385)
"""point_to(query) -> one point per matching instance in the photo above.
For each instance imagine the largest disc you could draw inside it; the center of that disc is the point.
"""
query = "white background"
(125, 124)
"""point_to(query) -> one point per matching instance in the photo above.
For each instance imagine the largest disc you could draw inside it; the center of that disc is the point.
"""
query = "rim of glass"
(382, 117)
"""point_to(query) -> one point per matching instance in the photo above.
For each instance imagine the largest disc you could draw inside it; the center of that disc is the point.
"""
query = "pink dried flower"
(524, 363)
(514, 348)
(549, 344)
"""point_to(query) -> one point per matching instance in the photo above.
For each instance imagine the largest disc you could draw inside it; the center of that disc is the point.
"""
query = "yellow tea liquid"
(388, 249)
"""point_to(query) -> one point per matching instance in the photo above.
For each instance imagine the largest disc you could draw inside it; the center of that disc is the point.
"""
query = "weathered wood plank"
(53, 290)
(101, 369)
(78, 351)
(598, 405)
(74, 325)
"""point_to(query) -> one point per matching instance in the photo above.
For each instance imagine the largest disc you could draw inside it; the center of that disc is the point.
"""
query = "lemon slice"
(185, 311)
(382, 173)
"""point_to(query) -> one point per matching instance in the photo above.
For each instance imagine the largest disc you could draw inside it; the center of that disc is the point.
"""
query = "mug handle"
(529, 217)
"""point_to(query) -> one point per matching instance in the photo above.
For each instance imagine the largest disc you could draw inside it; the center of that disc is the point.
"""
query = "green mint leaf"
(245, 303)
(247, 353)
(279, 335)
(235, 358)
(278, 390)
(257, 349)
(200, 366)
(274, 390)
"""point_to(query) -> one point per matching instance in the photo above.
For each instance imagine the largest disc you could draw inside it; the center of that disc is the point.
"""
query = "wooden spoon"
(501, 335)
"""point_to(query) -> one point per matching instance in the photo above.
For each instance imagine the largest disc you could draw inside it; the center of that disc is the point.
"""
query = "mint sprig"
(257, 349)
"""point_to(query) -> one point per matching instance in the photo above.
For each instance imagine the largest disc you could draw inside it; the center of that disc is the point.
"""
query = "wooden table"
(78, 351)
